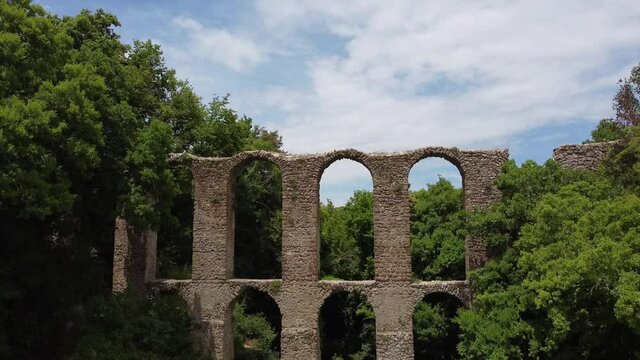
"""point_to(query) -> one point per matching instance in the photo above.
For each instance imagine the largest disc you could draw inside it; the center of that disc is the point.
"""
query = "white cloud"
(406, 74)
(451, 73)
(218, 45)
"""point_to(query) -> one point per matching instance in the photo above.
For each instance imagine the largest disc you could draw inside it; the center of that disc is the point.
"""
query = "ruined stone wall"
(582, 156)
(300, 294)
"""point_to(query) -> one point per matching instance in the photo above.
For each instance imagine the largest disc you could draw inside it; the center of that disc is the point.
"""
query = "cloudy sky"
(397, 75)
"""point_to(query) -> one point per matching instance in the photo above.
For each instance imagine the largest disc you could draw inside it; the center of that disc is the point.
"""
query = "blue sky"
(397, 75)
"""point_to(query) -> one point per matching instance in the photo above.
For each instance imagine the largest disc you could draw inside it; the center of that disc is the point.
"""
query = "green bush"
(126, 326)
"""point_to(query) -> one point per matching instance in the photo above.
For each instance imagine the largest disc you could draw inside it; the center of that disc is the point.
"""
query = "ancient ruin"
(300, 294)
(583, 156)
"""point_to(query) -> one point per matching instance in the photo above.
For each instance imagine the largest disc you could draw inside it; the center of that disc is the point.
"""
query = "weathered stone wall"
(582, 156)
(134, 257)
(300, 294)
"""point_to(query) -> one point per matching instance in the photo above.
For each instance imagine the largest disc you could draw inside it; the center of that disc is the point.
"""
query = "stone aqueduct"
(300, 294)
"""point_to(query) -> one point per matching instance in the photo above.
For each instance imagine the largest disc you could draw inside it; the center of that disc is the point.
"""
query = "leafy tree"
(564, 276)
(257, 326)
(346, 238)
(175, 233)
(554, 290)
(626, 103)
(438, 232)
(627, 109)
(607, 130)
(253, 335)
(623, 164)
(258, 230)
(86, 123)
(129, 327)
(70, 127)
(347, 327)
(435, 333)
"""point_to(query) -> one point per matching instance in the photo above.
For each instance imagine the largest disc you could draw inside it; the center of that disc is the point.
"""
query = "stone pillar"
(213, 249)
(121, 256)
(392, 245)
(299, 343)
(299, 307)
(394, 307)
(212, 222)
(222, 338)
(134, 257)
(300, 219)
(213, 304)
(481, 170)
(392, 250)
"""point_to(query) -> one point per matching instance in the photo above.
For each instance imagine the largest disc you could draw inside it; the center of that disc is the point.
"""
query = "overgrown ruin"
(300, 294)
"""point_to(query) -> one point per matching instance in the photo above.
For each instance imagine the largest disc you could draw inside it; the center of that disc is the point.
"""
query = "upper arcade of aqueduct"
(299, 294)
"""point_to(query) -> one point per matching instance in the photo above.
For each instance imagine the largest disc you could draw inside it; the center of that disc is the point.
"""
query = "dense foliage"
(347, 328)
(129, 327)
(565, 283)
(346, 238)
(258, 224)
(258, 322)
(435, 333)
(437, 232)
(548, 293)
(86, 123)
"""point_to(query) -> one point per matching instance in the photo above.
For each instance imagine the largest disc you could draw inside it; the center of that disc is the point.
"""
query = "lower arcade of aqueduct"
(300, 294)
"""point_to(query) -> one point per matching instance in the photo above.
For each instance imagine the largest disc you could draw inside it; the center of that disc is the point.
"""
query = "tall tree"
(86, 123)
(346, 238)
(437, 232)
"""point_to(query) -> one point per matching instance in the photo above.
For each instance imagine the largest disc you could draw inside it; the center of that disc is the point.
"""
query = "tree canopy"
(86, 124)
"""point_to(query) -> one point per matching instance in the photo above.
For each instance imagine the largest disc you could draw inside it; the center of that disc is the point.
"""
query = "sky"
(397, 75)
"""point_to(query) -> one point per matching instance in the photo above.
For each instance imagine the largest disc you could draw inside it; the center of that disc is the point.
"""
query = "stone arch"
(230, 321)
(330, 287)
(430, 240)
(366, 264)
(346, 154)
(435, 309)
(331, 335)
(239, 163)
(451, 155)
(455, 289)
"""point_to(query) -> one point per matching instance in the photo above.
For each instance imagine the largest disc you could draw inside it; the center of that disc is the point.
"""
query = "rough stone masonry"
(300, 294)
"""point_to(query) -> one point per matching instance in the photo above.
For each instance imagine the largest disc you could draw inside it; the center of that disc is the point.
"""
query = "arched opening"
(435, 334)
(437, 221)
(347, 327)
(258, 221)
(257, 323)
(175, 233)
(346, 222)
